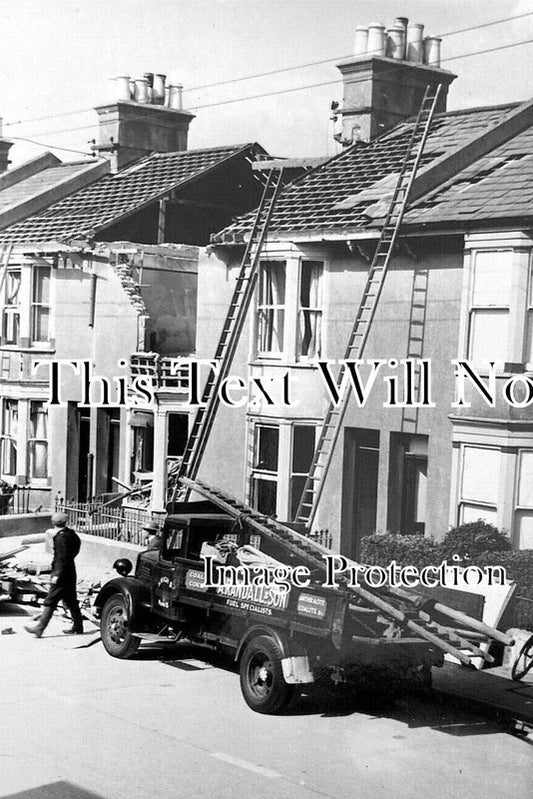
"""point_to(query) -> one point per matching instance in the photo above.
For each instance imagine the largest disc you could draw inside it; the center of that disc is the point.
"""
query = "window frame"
(39, 305)
(258, 474)
(9, 437)
(33, 440)
(264, 325)
(476, 309)
(468, 502)
(10, 309)
(315, 312)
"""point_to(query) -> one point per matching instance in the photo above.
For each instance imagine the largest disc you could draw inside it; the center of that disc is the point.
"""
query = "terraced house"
(459, 286)
(99, 269)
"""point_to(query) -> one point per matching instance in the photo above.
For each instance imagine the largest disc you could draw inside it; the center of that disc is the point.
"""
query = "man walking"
(63, 579)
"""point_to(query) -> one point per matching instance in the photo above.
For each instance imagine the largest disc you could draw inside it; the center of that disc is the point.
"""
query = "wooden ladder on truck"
(400, 605)
(231, 331)
(332, 422)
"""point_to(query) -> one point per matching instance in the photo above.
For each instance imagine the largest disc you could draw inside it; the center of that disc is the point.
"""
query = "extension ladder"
(231, 330)
(332, 422)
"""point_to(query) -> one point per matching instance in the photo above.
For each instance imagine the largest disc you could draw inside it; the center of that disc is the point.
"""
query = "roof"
(342, 195)
(32, 186)
(113, 197)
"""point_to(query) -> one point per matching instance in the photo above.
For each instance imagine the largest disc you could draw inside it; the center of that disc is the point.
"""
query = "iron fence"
(115, 524)
(16, 501)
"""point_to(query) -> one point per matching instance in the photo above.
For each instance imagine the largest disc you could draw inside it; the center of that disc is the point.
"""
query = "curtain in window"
(38, 441)
(271, 308)
(310, 317)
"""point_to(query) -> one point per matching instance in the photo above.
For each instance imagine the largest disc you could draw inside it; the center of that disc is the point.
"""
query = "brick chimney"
(384, 81)
(145, 116)
(5, 147)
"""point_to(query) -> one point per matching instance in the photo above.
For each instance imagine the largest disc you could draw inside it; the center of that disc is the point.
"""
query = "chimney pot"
(175, 96)
(158, 89)
(141, 90)
(123, 87)
(376, 39)
(361, 40)
(396, 42)
(415, 49)
(432, 51)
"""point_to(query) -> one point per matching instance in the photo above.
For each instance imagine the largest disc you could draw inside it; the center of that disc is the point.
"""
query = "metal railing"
(115, 524)
(15, 502)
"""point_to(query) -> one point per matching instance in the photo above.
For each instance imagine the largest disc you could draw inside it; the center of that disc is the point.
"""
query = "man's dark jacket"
(66, 546)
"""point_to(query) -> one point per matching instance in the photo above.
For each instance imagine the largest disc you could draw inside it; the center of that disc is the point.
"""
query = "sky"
(57, 56)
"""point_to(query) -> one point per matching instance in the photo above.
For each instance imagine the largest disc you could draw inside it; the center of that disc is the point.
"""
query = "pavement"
(78, 724)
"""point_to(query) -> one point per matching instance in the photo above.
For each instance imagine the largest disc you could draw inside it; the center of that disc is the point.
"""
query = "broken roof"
(348, 193)
(114, 197)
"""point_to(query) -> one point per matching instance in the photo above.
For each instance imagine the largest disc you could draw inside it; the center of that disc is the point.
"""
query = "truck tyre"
(115, 628)
(261, 676)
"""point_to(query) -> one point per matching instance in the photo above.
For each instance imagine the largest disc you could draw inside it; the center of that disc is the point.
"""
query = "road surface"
(77, 723)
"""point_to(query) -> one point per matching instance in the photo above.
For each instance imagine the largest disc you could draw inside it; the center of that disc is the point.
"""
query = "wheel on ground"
(524, 661)
(261, 676)
(115, 628)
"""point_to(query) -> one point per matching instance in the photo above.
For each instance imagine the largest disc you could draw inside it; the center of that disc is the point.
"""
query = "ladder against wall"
(335, 413)
(231, 330)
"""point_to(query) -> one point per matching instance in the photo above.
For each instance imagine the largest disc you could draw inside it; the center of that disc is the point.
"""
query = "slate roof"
(111, 197)
(40, 182)
(336, 196)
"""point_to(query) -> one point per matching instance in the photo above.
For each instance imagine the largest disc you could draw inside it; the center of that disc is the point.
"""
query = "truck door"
(168, 573)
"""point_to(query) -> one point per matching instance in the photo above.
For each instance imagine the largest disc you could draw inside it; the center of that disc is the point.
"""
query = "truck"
(281, 639)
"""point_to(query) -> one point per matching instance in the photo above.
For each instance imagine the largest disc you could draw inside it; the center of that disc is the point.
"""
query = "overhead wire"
(269, 73)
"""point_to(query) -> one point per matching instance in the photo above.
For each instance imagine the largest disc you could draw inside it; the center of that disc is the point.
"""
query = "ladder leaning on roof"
(331, 424)
(231, 330)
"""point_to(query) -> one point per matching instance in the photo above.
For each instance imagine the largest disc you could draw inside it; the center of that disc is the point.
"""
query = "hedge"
(416, 550)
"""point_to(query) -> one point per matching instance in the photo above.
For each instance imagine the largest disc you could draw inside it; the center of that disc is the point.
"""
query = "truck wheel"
(115, 628)
(261, 676)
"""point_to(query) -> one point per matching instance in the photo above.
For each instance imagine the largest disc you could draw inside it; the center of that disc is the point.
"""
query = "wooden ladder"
(332, 422)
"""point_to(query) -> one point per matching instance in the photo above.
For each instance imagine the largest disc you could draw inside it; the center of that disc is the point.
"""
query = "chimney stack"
(385, 80)
(145, 116)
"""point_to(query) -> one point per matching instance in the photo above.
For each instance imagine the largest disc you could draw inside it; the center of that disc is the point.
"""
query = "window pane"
(492, 278)
(38, 420)
(38, 453)
(266, 448)
(40, 319)
(41, 284)
(471, 513)
(310, 314)
(178, 430)
(12, 287)
(264, 496)
(270, 307)
(11, 326)
(524, 525)
(481, 474)
(525, 480)
(303, 447)
(488, 336)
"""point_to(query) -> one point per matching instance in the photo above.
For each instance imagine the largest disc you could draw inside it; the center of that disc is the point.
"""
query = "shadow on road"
(447, 714)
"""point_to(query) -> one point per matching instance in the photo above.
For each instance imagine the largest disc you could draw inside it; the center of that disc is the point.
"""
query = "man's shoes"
(73, 631)
(36, 631)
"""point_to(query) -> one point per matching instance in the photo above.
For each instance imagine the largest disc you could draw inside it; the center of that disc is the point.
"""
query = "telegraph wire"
(274, 72)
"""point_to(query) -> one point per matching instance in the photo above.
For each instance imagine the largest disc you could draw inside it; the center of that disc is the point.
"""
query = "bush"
(472, 539)
(406, 550)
